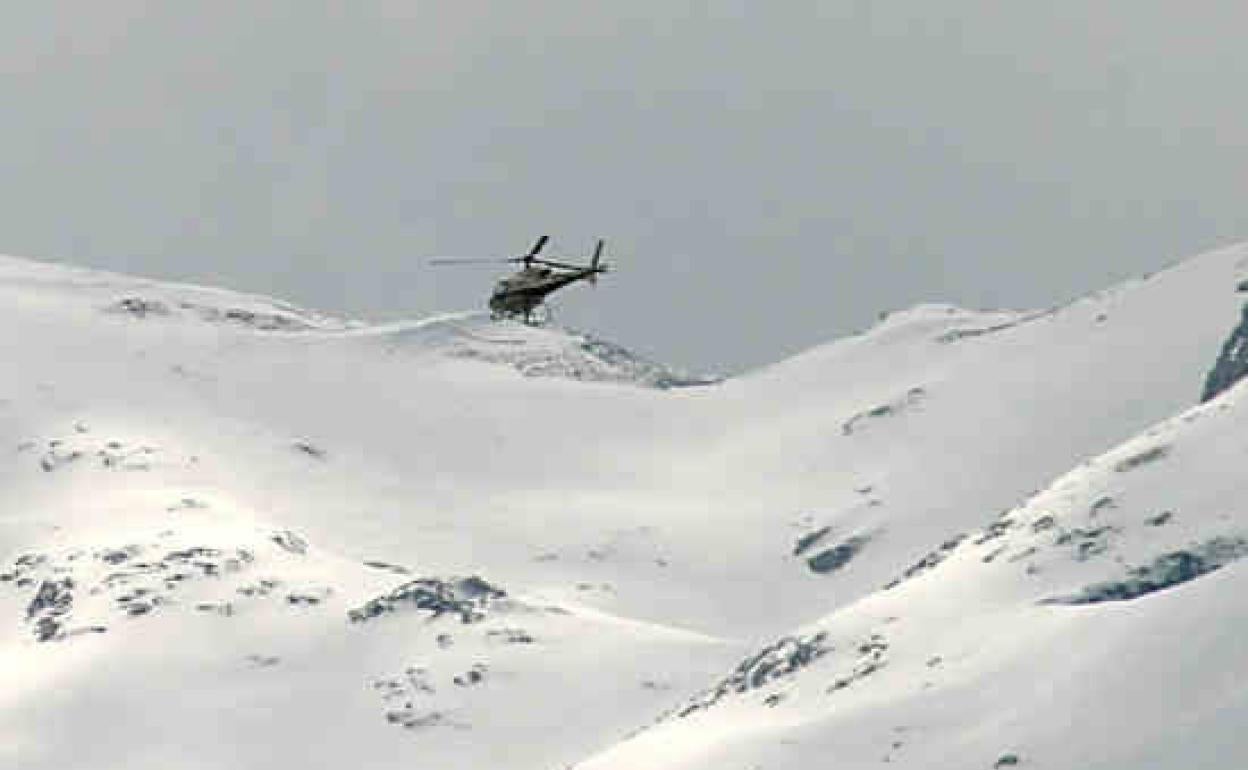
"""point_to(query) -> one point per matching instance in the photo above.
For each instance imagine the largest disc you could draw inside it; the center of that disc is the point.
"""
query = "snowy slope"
(256, 536)
(1102, 624)
(163, 515)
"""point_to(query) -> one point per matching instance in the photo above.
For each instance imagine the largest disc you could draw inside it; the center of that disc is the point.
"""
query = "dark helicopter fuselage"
(518, 295)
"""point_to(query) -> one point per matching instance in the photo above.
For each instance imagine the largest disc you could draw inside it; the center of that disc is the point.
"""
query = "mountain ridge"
(650, 547)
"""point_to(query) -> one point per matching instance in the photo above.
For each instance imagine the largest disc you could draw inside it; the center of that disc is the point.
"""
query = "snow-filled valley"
(238, 534)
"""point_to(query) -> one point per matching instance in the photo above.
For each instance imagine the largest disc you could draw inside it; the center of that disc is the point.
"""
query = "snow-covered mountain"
(235, 533)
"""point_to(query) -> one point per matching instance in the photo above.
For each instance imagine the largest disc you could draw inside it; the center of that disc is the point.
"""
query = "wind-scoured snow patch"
(402, 696)
(912, 398)
(141, 299)
(1008, 321)
(259, 315)
(110, 454)
(941, 314)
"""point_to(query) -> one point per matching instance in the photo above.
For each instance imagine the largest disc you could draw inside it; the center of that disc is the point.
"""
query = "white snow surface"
(238, 534)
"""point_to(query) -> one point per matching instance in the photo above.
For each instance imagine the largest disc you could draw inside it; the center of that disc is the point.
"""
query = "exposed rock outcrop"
(468, 598)
(1167, 570)
(1232, 362)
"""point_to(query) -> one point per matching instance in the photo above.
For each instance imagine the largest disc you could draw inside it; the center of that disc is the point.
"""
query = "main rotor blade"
(537, 247)
(564, 265)
(467, 260)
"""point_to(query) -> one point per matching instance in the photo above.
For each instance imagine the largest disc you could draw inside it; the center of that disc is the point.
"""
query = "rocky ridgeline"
(778, 660)
(84, 590)
(930, 561)
(771, 666)
(572, 356)
(1165, 571)
(1099, 537)
(467, 598)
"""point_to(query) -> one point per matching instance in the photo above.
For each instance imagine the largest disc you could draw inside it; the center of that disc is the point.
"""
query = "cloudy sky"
(768, 175)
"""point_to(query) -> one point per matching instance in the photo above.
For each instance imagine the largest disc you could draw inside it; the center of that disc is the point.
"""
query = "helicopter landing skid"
(538, 316)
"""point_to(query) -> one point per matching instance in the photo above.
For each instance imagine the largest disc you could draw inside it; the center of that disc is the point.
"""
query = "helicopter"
(517, 296)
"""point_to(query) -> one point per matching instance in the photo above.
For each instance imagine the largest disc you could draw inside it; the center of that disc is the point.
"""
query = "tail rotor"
(595, 264)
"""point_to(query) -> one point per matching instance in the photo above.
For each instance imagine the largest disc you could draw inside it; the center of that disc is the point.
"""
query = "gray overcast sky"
(769, 175)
